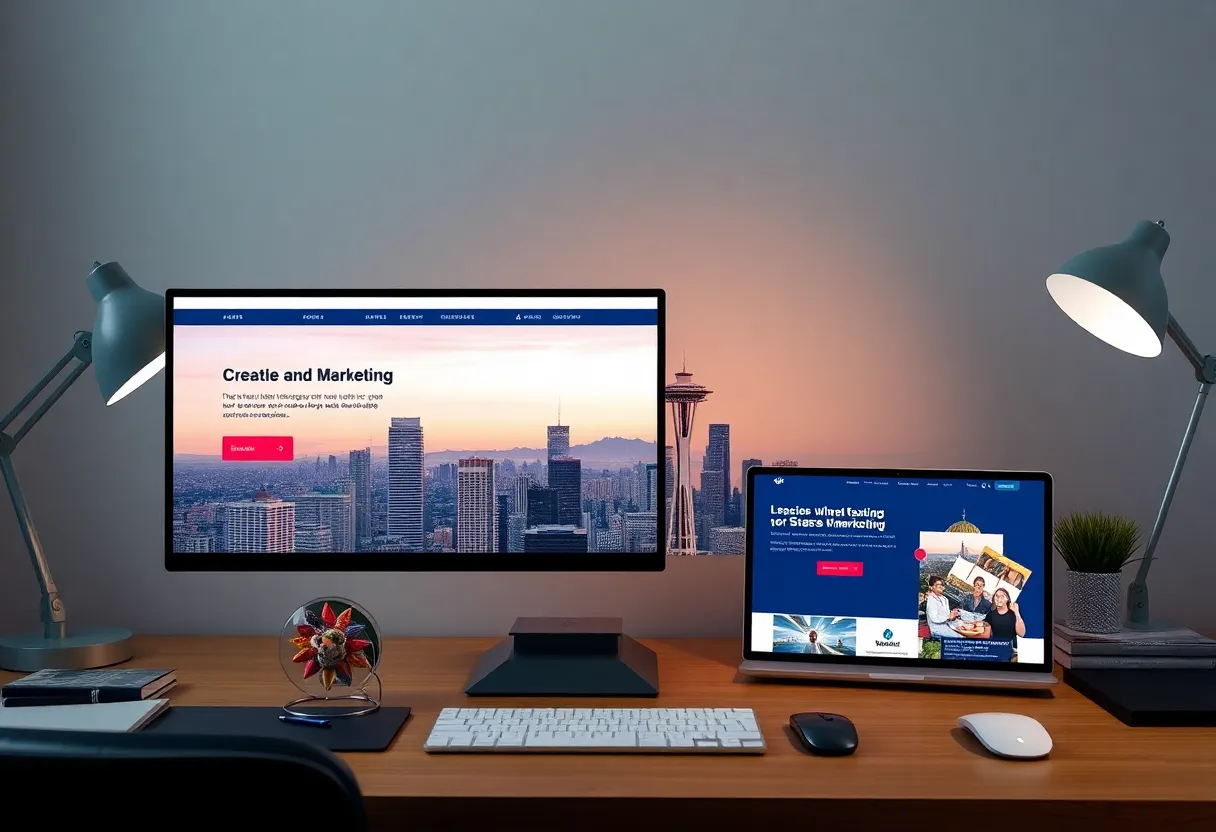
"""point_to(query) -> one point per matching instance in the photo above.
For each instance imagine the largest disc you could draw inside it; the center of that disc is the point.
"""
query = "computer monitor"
(912, 576)
(415, 430)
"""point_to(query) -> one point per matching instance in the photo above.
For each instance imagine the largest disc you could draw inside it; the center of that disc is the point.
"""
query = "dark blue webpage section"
(415, 317)
(866, 571)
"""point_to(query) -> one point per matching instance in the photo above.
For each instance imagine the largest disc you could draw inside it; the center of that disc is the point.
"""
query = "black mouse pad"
(374, 732)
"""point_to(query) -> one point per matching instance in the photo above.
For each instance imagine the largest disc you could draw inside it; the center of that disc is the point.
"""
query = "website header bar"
(403, 303)
(415, 317)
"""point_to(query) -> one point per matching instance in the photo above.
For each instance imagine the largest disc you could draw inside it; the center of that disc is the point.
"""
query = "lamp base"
(81, 650)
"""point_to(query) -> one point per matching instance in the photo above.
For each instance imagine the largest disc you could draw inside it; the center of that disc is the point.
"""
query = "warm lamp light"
(1116, 293)
(125, 349)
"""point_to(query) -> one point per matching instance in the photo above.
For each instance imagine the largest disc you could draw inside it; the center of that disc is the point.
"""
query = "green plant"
(1096, 542)
(931, 649)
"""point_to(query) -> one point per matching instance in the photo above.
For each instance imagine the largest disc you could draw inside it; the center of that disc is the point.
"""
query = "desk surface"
(911, 756)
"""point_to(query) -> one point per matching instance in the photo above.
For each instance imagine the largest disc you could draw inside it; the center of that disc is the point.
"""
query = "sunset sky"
(949, 543)
(474, 387)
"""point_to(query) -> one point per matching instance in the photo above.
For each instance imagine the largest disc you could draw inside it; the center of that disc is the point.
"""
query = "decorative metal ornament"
(330, 649)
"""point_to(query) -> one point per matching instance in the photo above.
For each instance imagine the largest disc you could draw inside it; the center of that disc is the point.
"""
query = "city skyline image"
(602, 379)
(461, 439)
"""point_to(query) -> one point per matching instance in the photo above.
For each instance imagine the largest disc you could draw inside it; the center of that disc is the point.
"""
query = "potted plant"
(1095, 547)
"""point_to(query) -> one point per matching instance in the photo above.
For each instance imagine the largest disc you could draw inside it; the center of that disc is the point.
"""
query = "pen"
(315, 721)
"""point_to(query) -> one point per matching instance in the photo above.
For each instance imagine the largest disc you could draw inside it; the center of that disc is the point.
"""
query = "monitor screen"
(937, 568)
(444, 430)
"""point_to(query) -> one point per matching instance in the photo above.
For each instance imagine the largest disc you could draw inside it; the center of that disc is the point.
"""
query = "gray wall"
(852, 204)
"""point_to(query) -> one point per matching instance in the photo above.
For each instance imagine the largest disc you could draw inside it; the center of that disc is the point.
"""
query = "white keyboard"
(596, 730)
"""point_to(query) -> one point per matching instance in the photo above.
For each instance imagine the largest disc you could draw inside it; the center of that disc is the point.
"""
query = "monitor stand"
(566, 657)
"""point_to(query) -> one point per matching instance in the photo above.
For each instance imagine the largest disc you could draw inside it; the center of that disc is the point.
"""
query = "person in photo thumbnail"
(1004, 621)
(818, 634)
(977, 602)
(1014, 578)
(938, 612)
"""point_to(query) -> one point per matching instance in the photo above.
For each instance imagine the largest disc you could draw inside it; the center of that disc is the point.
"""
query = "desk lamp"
(126, 348)
(1116, 293)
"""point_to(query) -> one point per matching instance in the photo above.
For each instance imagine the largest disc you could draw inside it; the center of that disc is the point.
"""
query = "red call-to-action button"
(258, 449)
(852, 569)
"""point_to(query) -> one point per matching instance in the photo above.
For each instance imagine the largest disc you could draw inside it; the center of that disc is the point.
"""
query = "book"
(1174, 643)
(117, 717)
(1135, 662)
(83, 687)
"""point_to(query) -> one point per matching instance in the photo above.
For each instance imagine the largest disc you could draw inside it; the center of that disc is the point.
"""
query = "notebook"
(72, 687)
(109, 716)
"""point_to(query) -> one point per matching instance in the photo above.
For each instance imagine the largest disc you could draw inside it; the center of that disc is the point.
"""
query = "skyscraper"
(314, 538)
(652, 487)
(542, 507)
(333, 510)
(747, 464)
(559, 441)
(519, 504)
(711, 504)
(669, 478)
(405, 450)
(261, 525)
(717, 458)
(640, 529)
(360, 465)
(516, 524)
(684, 396)
(475, 506)
(502, 519)
(566, 478)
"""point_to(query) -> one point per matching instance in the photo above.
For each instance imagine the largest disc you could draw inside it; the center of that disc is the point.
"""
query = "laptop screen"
(947, 567)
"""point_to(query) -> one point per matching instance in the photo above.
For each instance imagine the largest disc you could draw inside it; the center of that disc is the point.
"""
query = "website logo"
(887, 640)
(778, 480)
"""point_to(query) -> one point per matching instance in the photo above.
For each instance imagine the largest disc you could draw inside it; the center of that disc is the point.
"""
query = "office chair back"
(71, 778)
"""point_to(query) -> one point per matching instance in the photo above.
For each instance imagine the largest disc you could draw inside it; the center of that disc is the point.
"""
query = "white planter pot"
(1094, 601)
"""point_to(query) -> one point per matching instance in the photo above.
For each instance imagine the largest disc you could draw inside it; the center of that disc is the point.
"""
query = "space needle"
(683, 396)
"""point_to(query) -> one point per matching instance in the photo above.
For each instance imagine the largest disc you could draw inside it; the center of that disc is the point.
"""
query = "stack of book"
(84, 687)
(1175, 649)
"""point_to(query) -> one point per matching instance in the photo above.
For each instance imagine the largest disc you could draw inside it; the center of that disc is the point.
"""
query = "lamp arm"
(1205, 374)
(54, 615)
(1199, 361)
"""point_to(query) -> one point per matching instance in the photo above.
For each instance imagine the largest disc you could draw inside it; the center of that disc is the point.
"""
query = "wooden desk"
(913, 768)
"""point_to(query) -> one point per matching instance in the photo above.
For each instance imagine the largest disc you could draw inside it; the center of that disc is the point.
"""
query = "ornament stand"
(368, 704)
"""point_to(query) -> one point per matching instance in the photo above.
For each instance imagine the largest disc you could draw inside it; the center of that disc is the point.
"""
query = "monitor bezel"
(428, 561)
(879, 662)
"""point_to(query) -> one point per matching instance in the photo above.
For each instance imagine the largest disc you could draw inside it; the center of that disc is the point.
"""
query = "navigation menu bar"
(415, 317)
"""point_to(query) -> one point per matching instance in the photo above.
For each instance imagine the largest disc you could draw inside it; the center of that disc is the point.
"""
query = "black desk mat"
(374, 732)
(1159, 697)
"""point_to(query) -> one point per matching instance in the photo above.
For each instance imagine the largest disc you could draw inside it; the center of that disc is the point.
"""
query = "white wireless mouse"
(1012, 736)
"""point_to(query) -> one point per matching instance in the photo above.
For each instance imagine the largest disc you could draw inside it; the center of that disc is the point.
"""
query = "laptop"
(901, 576)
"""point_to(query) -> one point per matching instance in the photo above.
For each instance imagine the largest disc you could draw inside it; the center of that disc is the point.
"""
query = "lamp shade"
(129, 333)
(1116, 292)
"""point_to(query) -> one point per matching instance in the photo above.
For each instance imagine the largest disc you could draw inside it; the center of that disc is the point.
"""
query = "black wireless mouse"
(830, 735)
